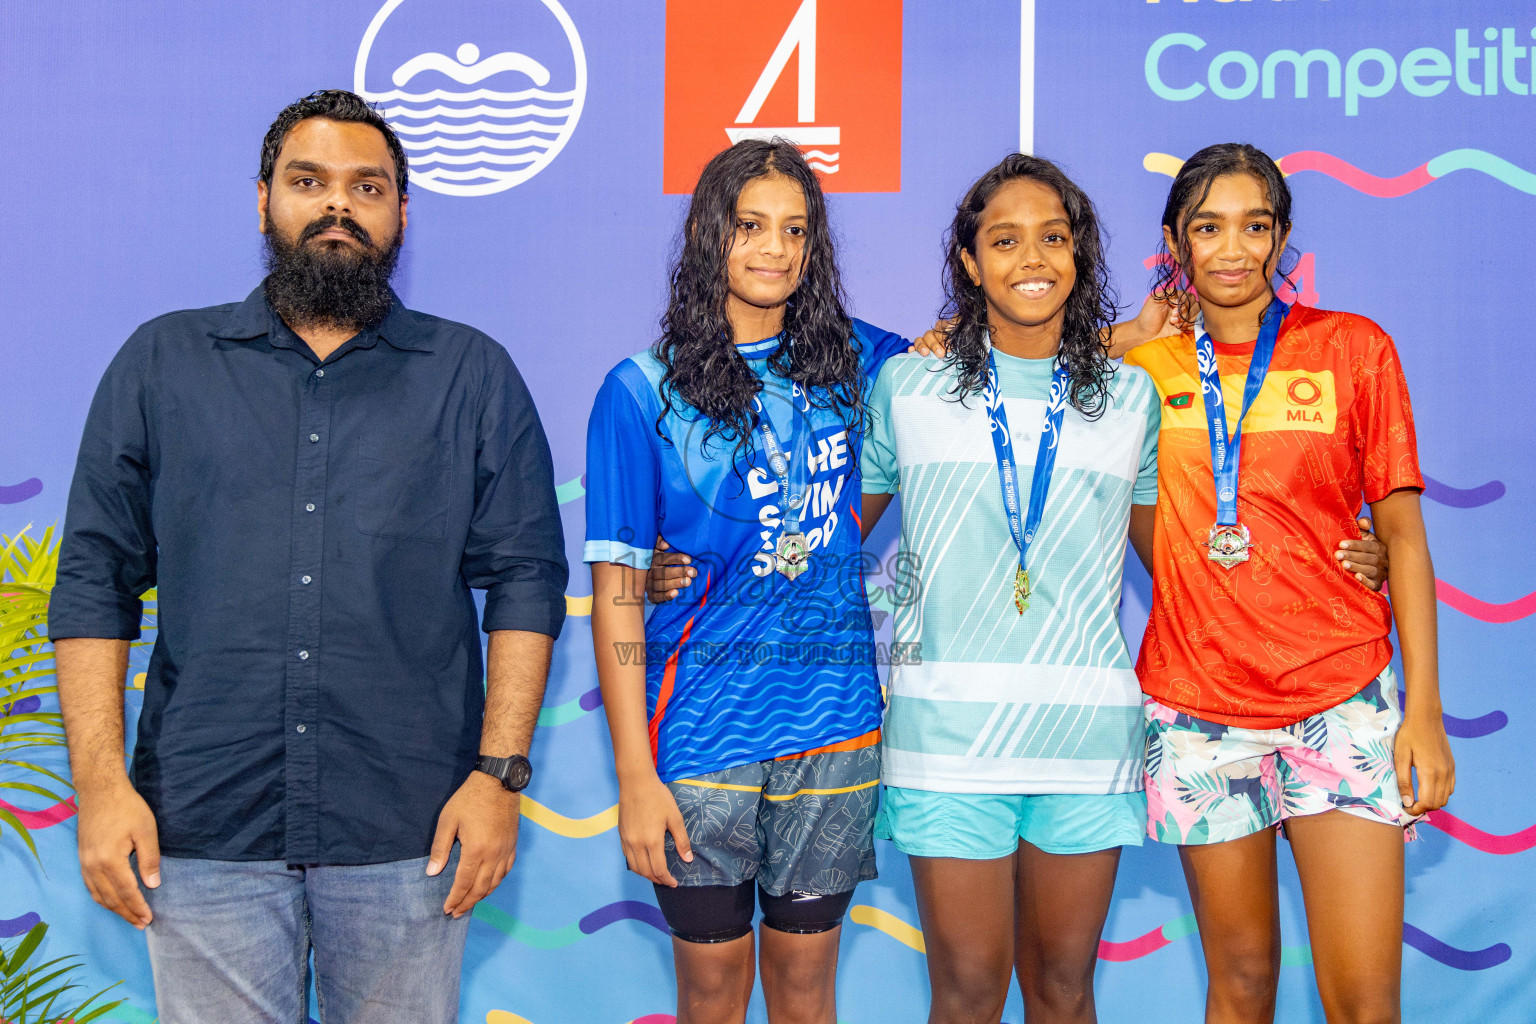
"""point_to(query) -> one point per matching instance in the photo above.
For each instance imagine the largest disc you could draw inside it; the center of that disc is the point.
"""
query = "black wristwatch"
(514, 772)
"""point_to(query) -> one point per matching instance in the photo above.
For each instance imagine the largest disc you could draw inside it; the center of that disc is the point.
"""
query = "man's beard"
(330, 284)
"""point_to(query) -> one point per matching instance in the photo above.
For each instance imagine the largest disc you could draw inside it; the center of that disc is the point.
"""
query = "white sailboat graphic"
(801, 35)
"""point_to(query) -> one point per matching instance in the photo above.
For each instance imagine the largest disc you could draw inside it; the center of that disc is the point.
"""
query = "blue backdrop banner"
(551, 143)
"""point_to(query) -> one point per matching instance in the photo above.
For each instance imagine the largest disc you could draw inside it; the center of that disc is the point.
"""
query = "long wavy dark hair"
(703, 368)
(1191, 187)
(1091, 307)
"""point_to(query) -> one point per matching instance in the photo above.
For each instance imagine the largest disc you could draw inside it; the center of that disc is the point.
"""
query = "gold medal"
(1021, 589)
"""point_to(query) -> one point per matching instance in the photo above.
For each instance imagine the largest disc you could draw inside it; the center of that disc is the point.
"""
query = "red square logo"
(825, 74)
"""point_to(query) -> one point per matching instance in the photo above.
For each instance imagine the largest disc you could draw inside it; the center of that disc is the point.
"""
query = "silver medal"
(1228, 545)
(793, 555)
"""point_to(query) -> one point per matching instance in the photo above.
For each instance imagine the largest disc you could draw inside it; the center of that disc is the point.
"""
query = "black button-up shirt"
(316, 689)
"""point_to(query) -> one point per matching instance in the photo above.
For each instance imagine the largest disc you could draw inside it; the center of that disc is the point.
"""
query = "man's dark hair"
(333, 105)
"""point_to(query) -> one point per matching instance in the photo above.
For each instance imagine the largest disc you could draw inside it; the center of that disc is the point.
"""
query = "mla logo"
(470, 124)
(1304, 391)
(728, 78)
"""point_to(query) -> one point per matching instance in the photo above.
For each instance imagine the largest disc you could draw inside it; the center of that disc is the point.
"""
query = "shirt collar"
(761, 349)
(254, 318)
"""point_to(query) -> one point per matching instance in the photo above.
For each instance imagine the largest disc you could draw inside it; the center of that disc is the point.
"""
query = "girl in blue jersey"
(745, 718)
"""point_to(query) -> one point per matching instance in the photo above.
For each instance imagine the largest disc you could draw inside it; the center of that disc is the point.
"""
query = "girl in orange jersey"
(1271, 699)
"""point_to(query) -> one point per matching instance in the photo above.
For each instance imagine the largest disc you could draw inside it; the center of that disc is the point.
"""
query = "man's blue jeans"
(231, 940)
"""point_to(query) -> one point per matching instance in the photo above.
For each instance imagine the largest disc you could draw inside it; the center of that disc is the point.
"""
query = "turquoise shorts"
(986, 826)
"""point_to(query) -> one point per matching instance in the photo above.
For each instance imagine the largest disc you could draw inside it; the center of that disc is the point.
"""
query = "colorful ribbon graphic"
(1183, 927)
(1457, 497)
(12, 494)
(1474, 728)
(15, 926)
(1485, 611)
(890, 924)
(508, 1017)
(48, 816)
(1465, 728)
(557, 938)
(1495, 167)
(571, 709)
(1461, 959)
(25, 706)
(1486, 842)
(571, 828)
(1154, 940)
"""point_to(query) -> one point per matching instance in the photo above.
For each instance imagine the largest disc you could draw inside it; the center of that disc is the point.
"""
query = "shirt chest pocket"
(402, 490)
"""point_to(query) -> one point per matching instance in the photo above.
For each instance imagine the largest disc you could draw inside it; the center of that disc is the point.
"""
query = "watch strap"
(512, 772)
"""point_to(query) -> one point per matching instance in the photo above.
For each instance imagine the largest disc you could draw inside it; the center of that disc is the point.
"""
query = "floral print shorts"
(1211, 783)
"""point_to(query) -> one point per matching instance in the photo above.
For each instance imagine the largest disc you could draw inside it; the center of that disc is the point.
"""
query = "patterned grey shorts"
(799, 824)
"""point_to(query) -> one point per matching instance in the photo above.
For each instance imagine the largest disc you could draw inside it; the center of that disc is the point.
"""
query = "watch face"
(518, 773)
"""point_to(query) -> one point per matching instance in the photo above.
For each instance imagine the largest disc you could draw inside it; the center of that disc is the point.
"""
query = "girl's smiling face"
(768, 251)
(1233, 242)
(1022, 257)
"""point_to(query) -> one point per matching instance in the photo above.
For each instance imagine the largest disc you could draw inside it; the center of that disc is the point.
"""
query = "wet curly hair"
(1190, 189)
(1091, 307)
(696, 346)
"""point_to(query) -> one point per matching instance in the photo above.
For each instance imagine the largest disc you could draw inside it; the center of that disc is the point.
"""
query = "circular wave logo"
(482, 94)
(1304, 391)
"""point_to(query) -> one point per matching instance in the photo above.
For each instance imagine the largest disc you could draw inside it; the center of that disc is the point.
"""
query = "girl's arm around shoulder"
(876, 345)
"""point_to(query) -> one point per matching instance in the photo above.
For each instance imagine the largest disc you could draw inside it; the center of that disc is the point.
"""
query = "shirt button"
(319, 373)
(310, 507)
(304, 580)
(313, 438)
(299, 728)
(303, 655)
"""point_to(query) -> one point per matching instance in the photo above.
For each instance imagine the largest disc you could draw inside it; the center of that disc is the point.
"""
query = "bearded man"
(312, 480)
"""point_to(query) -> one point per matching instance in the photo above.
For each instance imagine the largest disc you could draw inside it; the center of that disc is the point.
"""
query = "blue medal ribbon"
(1225, 455)
(782, 465)
(1024, 528)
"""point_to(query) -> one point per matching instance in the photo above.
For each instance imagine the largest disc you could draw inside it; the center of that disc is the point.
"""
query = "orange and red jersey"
(1289, 633)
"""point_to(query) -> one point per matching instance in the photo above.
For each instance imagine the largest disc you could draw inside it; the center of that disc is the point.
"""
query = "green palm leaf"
(28, 568)
(32, 993)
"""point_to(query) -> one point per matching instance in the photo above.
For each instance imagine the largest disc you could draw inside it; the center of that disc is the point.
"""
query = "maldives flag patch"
(1181, 400)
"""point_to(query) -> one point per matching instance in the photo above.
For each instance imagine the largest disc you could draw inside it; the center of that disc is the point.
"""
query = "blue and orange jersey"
(1288, 633)
(745, 665)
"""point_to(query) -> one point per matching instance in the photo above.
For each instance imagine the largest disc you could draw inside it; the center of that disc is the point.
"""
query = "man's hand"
(1366, 559)
(670, 571)
(483, 817)
(647, 812)
(113, 824)
(1422, 746)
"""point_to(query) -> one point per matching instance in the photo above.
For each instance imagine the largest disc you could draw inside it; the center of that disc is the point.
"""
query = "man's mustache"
(329, 221)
